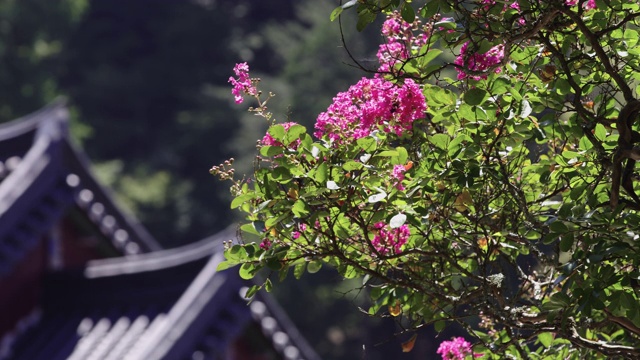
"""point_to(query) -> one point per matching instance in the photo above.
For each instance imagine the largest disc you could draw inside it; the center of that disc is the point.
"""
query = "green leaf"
(294, 133)
(256, 227)
(388, 153)
(436, 95)
(273, 221)
(274, 263)
(335, 13)
(298, 270)
(241, 199)
(402, 157)
(237, 254)
(563, 86)
(546, 339)
(320, 173)
(600, 132)
(248, 271)
(475, 96)
(440, 140)
(429, 56)
(368, 144)
(314, 266)
(430, 9)
(407, 12)
(500, 86)
(558, 227)
(300, 208)
(561, 298)
(224, 265)
(252, 291)
(249, 228)
(566, 242)
(352, 165)
(271, 150)
(277, 132)
(365, 17)
(281, 174)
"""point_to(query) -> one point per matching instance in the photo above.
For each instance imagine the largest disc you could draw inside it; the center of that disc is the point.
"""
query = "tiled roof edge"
(79, 165)
(287, 326)
(31, 122)
(160, 259)
(183, 314)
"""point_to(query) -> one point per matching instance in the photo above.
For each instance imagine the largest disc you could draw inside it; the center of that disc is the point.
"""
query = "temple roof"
(168, 304)
(42, 175)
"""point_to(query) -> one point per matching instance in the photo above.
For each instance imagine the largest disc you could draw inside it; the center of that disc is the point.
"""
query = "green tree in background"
(142, 79)
(33, 40)
(144, 75)
(139, 74)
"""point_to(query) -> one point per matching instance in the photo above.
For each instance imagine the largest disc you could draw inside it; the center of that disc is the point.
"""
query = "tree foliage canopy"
(475, 177)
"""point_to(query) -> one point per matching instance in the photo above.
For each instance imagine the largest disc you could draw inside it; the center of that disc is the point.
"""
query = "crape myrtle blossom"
(369, 105)
(478, 63)
(302, 227)
(399, 41)
(398, 35)
(243, 84)
(488, 4)
(398, 174)
(389, 240)
(589, 5)
(456, 349)
(265, 244)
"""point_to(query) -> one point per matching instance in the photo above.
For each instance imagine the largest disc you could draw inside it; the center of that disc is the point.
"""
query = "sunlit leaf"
(395, 309)
(407, 346)
(463, 201)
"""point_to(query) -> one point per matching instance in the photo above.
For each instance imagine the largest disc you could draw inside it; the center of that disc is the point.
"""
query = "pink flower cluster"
(398, 174)
(456, 349)
(388, 240)
(589, 5)
(488, 4)
(478, 63)
(296, 234)
(265, 244)
(243, 84)
(400, 40)
(368, 105)
(268, 140)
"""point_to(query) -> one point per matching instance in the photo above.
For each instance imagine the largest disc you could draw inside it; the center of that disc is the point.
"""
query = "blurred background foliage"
(146, 82)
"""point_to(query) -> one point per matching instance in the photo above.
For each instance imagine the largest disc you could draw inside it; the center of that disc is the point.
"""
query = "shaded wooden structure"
(82, 280)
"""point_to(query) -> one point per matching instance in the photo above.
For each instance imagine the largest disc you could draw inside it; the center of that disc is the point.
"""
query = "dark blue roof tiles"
(28, 229)
(169, 304)
(277, 326)
(42, 176)
(86, 335)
